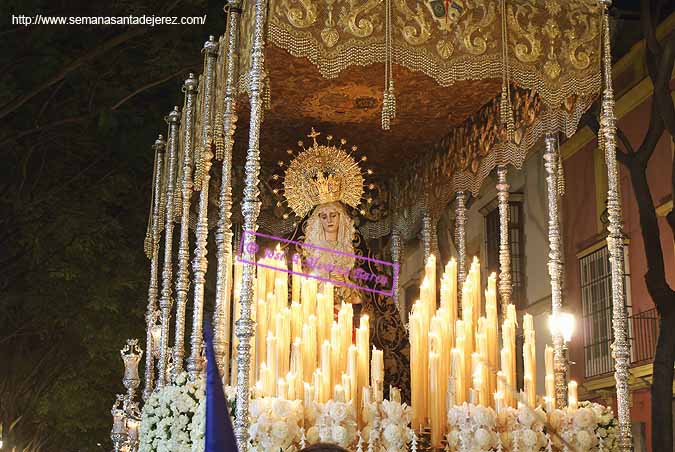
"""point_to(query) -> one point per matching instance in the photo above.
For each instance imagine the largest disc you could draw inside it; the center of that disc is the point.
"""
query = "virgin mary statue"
(331, 227)
(325, 179)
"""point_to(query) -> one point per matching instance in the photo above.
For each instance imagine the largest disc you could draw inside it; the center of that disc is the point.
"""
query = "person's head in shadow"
(324, 447)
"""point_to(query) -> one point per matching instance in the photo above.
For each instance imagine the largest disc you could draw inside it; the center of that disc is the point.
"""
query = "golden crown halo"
(323, 173)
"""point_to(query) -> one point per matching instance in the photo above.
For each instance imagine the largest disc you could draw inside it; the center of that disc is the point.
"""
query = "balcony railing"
(645, 327)
(644, 330)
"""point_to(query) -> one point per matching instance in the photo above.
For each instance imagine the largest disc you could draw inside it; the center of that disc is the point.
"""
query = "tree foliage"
(80, 107)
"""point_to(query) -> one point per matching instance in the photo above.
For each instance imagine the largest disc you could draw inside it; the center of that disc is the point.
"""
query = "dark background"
(80, 107)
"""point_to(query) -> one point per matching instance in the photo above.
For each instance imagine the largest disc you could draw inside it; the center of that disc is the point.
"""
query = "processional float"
(551, 60)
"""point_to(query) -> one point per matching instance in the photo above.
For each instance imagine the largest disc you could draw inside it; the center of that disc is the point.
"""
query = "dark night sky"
(78, 114)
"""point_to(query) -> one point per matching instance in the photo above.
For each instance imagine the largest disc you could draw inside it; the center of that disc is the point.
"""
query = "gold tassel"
(506, 114)
(386, 122)
(561, 175)
(163, 186)
(180, 157)
(388, 106)
(198, 125)
(219, 134)
(388, 98)
(505, 107)
(392, 99)
(147, 243)
(267, 94)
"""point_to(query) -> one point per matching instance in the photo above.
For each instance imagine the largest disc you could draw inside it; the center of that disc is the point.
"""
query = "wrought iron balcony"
(644, 330)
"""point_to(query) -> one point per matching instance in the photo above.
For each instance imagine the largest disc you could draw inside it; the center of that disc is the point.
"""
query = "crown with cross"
(323, 173)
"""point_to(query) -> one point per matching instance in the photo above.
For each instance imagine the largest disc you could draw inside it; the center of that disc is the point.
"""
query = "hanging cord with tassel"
(148, 244)
(389, 99)
(561, 171)
(200, 149)
(163, 187)
(506, 110)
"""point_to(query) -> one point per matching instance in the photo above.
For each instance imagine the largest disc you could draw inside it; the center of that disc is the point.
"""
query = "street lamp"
(562, 324)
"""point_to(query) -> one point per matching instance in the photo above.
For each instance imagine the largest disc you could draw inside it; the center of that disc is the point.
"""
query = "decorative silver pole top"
(160, 144)
(174, 116)
(211, 46)
(191, 83)
(234, 5)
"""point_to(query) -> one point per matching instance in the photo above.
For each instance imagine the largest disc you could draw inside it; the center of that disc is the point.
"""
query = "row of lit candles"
(300, 351)
(460, 360)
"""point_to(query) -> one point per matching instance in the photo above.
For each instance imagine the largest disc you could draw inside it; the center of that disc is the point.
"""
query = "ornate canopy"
(553, 45)
(460, 68)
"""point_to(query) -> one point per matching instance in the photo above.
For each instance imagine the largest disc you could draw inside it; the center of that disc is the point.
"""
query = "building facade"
(587, 287)
(586, 291)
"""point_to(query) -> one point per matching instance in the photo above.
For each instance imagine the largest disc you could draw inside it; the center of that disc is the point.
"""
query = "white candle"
(282, 389)
(499, 401)
(290, 381)
(309, 394)
(258, 390)
(394, 394)
(474, 396)
(377, 374)
(548, 404)
(362, 342)
(572, 395)
(272, 356)
(346, 386)
(339, 393)
(325, 371)
(352, 372)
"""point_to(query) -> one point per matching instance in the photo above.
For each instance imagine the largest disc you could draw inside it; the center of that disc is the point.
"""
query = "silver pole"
(426, 235)
(505, 284)
(621, 346)
(182, 283)
(166, 301)
(151, 314)
(250, 209)
(396, 255)
(555, 268)
(200, 263)
(460, 239)
(222, 317)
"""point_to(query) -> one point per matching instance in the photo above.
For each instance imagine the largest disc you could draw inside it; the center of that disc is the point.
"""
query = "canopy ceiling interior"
(350, 107)
(325, 68)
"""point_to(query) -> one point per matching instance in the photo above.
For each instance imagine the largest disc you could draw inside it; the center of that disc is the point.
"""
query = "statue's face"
(330, 220)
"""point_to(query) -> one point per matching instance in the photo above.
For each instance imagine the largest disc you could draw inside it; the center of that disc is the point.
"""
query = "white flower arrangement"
(606, 429)
(198, 427)
(395, 430)
(173, 420)
(589, 428)
(170, 420)
(371, 417)
(388, 423)
(275, 424)
(335, 423)
(522, 429)
(471, 428)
